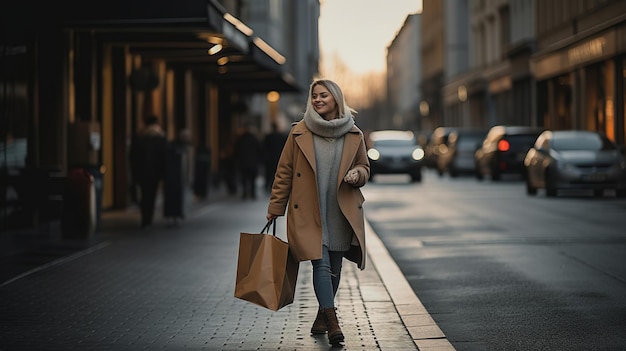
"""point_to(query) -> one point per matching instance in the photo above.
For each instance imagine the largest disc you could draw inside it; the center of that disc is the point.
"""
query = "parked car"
(503, 151)
(575, 159)
(395, 152)
(437, 145)
(458, 157)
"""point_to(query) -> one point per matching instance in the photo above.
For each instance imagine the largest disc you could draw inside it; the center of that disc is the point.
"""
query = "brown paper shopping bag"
(266, 270)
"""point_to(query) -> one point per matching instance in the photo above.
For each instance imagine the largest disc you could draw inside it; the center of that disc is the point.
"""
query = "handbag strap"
(269, 224)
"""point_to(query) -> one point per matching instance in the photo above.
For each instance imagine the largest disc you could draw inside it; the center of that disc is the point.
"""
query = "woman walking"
(321, 169)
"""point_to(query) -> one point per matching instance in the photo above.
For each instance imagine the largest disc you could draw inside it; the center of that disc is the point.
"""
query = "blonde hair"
(342, 107)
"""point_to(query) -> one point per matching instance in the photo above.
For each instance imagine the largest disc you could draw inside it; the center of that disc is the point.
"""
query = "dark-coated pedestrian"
(148, 161)
(319, 175)
(248, 156)
(272, 147)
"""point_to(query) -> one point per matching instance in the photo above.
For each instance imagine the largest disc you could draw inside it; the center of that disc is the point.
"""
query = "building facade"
(291, 27)
(404, 75)
(433, 56)
(75, 88)
(580, 66)
(553, 64)
(481, 96)
(457, 63)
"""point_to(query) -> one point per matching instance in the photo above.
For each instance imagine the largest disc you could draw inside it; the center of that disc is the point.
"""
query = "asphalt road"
(499, 270)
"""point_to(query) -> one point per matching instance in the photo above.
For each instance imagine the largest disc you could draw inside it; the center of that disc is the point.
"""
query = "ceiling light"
(280, 59)
(215, 49)
(238, 24)
(215, 40)
(273, 96)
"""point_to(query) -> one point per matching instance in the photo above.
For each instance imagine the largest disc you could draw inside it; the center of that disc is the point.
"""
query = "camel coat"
(295, 185)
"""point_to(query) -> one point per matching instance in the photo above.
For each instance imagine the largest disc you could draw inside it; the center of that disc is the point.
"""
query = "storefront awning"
(244, 62)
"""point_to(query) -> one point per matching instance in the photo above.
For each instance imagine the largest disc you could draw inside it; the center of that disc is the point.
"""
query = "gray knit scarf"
(328, 143)
(328, 129)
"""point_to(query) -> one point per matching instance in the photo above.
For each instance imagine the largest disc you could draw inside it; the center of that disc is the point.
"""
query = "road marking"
(58, 262)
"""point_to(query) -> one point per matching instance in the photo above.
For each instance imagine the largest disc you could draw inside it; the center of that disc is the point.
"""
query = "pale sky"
(359, 31)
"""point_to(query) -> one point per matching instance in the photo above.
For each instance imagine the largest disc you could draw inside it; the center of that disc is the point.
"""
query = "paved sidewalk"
(171, 287)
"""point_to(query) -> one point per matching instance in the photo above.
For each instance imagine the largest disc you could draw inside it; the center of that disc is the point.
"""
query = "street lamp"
(462, 95)
(272, 99)
(424, 108)
(424, 112)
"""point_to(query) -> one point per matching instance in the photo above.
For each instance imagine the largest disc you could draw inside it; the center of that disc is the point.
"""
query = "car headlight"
(417, 154)
(373, 154)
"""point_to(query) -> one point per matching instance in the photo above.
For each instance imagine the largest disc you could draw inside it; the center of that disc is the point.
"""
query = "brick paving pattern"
(171, 288)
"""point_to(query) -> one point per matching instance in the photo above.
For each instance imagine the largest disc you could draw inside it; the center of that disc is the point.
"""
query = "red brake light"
(503, 145)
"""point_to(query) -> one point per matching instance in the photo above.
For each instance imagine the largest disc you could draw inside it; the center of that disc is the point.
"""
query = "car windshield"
(394, 143)
(469, 142)
(574, 142)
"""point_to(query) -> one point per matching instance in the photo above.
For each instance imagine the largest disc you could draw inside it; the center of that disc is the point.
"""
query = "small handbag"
(266, 270)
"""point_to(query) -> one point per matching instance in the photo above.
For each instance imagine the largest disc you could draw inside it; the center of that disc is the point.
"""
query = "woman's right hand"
(270, 217)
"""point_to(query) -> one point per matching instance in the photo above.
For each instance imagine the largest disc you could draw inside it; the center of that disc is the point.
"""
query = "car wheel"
(453, 172)
(495, 175)
(416, 177)
(620, 192)
(478, 173)
(598, 192)
(524, 174)
(530, 190)
(495, 172)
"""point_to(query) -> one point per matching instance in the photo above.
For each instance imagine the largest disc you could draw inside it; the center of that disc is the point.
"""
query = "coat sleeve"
(362, 164)
(281, 188)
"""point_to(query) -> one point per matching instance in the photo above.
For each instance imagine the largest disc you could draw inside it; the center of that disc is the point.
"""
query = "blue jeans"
(326, 276)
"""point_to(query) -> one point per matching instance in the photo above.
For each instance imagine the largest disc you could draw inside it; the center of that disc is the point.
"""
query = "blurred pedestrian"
(248, 155)
(272, 147)
(147, 160)
(228, 168)
(319, 175)
(176, 177)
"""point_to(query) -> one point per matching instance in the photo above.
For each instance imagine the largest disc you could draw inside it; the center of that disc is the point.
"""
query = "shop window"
(609, 99)
(562, 118)
(623, 101)
(543, 116)
(600, 102)
(15, 111)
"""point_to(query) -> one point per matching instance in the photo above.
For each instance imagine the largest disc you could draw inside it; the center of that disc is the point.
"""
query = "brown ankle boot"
(319, 326)
(334, 331)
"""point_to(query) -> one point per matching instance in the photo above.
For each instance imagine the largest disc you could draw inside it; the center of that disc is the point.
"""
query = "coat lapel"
(305, 143)
(351, 144)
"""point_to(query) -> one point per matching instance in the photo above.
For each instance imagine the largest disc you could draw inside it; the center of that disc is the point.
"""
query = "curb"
(420, 325)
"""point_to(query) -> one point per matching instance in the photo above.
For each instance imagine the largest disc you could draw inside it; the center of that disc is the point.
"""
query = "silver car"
(395, 152)
(575, 159)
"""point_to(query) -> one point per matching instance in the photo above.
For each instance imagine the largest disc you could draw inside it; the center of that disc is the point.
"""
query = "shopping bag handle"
(270, 223)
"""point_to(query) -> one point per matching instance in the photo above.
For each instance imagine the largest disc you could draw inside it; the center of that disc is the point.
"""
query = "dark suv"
(503, 151)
